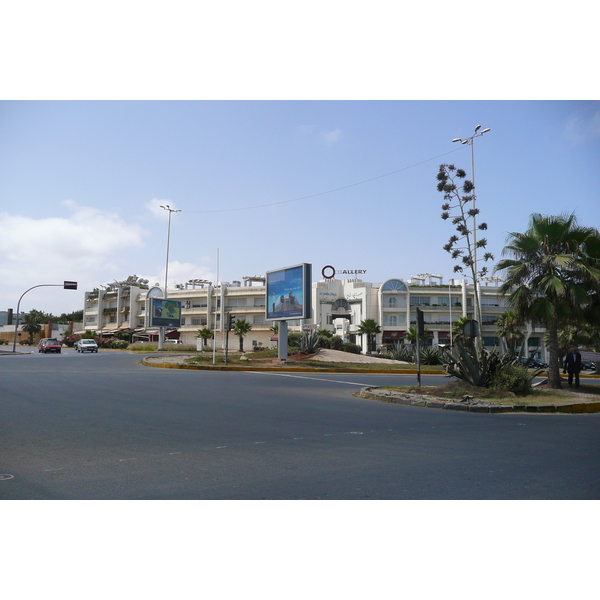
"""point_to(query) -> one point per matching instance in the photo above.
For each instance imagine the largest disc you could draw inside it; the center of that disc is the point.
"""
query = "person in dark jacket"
(573, 365)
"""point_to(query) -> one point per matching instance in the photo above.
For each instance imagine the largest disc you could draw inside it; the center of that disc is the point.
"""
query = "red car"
(49, 345)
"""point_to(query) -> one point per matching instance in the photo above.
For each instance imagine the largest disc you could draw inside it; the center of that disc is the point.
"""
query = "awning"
(274, 337)
(394, 335)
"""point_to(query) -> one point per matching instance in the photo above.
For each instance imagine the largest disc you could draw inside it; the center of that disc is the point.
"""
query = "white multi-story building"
(339, 305)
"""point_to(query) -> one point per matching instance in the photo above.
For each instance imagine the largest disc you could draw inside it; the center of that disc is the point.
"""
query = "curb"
(253, 367)
(443, 404)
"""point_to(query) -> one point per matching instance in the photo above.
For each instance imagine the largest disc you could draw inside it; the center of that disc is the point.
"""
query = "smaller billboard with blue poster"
(165, 313)
(288, 293)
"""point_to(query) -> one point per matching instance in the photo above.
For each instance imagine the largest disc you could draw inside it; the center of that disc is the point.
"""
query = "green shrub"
(350, 347)
(512, 378)
(324, 341)
(118, 344)
(336, 342)
(294, 339)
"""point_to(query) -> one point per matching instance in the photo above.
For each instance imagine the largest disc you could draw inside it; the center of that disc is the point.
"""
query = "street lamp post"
(470, 142)
(161, 331)
(67, 285)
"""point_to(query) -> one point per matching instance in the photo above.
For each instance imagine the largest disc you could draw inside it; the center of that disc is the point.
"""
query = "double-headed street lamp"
(470, 141)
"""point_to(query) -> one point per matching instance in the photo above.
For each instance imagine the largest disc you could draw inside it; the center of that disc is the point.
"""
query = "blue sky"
(282, 135)
(270, 184)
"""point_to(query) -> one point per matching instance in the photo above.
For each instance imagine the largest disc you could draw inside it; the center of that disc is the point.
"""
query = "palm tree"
(32, 323)
(553, 272)
(205, 333)
(509, 328)
(458, 334)
(369, 327)
(411, 335)
(241, 328)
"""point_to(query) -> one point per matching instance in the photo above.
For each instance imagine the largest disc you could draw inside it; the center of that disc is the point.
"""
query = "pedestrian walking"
(572, 365)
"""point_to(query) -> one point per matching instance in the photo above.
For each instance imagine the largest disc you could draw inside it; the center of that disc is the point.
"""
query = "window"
(259, 301)
(420, 301)
(341, 303)
(392, 302)
(239, 302)
(490, 341)
(259, 320)
(198, 321)
(488, 320)
(394, 320)
(394, 285)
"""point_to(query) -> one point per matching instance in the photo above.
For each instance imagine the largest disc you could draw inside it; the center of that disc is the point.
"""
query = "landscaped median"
(562, 404)
(451, 396)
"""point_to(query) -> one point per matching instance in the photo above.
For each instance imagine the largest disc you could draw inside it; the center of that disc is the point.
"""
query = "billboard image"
(165, 313)
(288, 293)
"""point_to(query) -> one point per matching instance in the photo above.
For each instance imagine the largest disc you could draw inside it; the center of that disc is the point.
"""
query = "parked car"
(86, 345)
(49, 345)
(588, 365)
(173, 342)
(533, 363)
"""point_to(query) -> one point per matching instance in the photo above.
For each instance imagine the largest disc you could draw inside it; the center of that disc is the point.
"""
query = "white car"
(86, 346)
(173, 342)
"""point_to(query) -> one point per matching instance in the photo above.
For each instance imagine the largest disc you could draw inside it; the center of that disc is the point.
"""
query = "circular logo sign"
(328, 269)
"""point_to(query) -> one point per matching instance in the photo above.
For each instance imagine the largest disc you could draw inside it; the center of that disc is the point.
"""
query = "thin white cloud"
(181, 273)
(579, 130)
(331, 137)
(155, 207)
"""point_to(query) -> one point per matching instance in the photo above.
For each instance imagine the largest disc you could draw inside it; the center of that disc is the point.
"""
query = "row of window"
(426, 301)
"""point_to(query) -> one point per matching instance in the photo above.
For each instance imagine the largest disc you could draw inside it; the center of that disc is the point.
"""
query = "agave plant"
(309, 343)
(472, 366)
(431, 356)
(400, 351)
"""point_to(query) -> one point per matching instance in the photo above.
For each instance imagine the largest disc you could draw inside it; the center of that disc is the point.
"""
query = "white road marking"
(313, 378)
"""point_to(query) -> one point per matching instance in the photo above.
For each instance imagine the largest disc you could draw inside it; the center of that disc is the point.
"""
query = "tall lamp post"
(67, 285)
(161, 331)
(470, 142)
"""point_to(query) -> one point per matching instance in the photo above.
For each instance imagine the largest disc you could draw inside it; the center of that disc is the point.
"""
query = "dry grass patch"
(541, 396)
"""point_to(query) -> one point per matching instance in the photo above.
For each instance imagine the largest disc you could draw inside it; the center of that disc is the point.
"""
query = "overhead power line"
(344, 187)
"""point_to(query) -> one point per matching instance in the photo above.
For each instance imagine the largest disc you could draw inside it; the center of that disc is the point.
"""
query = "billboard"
(165, 313)
(288, 293)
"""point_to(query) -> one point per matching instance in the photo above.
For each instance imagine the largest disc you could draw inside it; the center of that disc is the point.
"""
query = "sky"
(282, 136)
(269, 184)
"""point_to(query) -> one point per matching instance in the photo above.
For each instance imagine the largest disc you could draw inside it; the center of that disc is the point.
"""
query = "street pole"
(470, 142)
(161, 330)
(67, 285)
(450, 304)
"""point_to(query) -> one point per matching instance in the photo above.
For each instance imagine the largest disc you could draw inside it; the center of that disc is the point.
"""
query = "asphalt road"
(101, 426)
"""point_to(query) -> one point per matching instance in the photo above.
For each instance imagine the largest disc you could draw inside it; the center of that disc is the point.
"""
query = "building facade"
(339, 305)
